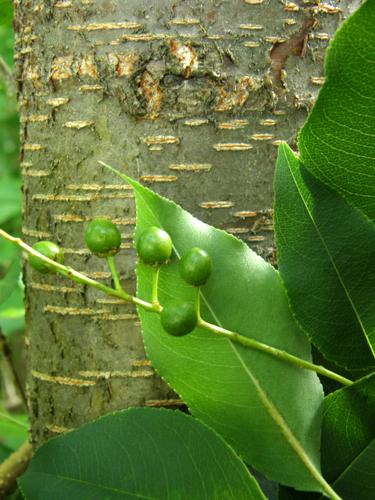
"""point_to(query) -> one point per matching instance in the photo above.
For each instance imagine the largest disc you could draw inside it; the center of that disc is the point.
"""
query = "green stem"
(112, 267)
(157, 308)
(198, 303)
(7, 77)
(273, 351)
(73, 275)
(155, 286)
(5, 68)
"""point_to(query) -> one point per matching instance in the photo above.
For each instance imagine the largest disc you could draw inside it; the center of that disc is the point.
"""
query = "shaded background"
(13, 421)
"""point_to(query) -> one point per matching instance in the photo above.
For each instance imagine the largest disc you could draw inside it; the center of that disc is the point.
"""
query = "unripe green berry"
(103, 238)
(195, 266)
(50, 250)
(154, 246)
(179, 319)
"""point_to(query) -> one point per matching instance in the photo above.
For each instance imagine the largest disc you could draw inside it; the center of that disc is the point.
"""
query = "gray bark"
(192, 98)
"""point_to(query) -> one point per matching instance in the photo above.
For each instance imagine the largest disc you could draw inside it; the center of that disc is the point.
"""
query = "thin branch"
(277, 353)
(157, 308)
(5, 68)
(7, 74)
(5, 416)
(76, 276)
(4, 347)
(13, 467)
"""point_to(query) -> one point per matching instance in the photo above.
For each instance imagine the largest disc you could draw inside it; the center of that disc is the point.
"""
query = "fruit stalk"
(155, 287)
(113, 269)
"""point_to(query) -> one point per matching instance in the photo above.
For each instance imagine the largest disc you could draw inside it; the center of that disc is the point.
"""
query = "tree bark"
(191, 98)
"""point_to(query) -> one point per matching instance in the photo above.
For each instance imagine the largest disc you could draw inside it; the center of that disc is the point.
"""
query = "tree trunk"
(191, 98)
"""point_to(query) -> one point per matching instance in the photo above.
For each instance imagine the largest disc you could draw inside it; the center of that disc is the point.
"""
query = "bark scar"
(295, 45)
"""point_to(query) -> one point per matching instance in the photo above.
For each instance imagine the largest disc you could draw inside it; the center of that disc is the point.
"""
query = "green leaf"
(348, 435)
(139, 453)
(326, 254)
(337, 143)
(357, 481)
(348, 458)
(226, 385)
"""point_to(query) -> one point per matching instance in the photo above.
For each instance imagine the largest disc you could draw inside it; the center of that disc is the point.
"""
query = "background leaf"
(337, 143)
(357, 481)
(218, 379)
(326, 255)
(348, 459)
(348, 434)
(139, 453)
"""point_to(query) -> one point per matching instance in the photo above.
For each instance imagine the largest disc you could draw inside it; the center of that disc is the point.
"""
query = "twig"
(13, 467)
(78, 277)
(7, 77)
(157, 308)
(273, 351)
(4, 347)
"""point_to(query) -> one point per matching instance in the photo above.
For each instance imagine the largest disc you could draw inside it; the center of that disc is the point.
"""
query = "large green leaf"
(337, 143)
(258, 403)
(326, 251)
(139, 453)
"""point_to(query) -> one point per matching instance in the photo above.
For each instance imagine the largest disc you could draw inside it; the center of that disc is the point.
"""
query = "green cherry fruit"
(195, 266)
(154, 246)
(179, 319)
(103, 238)
(50, 250)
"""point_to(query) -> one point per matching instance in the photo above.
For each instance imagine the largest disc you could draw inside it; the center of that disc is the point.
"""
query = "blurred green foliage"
(11, 300)
(13, 427)
(14, 432)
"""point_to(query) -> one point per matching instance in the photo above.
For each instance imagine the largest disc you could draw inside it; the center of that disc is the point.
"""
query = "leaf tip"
(127, 179)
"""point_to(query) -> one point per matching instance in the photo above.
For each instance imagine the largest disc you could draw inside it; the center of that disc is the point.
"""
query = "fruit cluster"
(154, 248)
